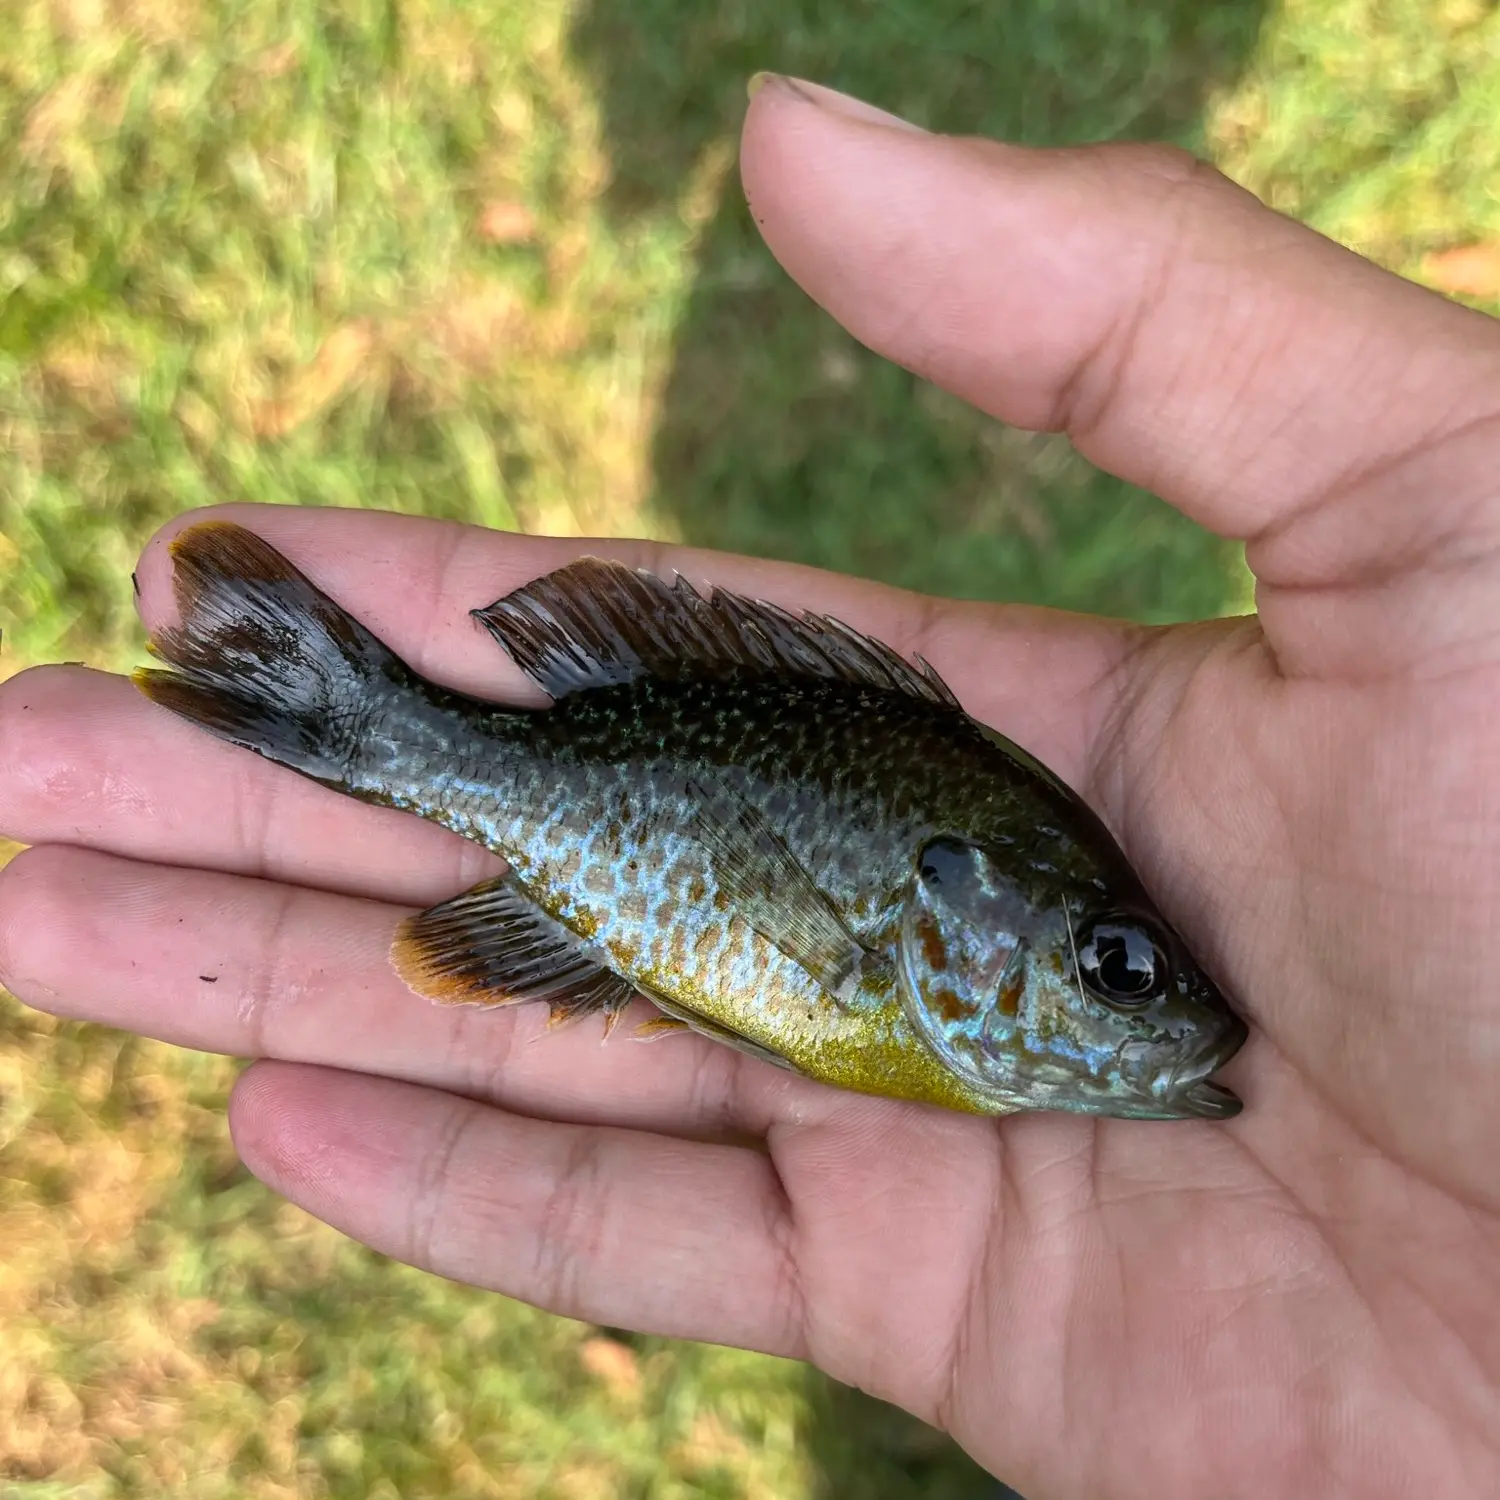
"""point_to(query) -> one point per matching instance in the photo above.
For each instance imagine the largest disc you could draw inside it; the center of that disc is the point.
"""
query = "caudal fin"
(264, 659)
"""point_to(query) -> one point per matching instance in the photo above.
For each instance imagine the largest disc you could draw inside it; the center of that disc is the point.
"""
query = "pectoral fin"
(771, 890)
(675, 1019)
(494, 946)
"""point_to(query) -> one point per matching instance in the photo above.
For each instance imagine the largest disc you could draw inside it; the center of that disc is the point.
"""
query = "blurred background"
(488, 259)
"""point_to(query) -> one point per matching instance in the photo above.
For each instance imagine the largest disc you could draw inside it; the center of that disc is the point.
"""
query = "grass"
(489, 261)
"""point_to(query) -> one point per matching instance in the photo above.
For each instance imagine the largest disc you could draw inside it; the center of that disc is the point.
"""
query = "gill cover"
(963, 958)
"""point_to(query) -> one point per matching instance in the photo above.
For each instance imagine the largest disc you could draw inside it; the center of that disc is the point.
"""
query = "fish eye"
(1123, 961)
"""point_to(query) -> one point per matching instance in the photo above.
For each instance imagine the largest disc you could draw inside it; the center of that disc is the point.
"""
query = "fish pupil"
(1123, 962)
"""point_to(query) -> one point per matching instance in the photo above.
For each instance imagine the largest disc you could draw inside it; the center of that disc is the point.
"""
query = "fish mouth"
(1190, 1089)
(1209, 1101)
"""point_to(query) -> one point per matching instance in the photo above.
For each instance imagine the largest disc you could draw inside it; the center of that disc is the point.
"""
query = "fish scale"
(777, 831)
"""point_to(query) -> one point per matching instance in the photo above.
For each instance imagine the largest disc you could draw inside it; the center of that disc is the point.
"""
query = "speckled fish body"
(777, 831)
(604, 825)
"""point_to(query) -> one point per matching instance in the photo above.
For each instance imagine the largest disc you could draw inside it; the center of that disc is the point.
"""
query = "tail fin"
(264, 659)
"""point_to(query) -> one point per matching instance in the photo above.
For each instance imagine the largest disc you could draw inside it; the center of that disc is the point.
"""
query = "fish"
(777, 830)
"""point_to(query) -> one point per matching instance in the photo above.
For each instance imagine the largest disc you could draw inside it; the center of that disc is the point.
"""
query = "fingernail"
(837, 103)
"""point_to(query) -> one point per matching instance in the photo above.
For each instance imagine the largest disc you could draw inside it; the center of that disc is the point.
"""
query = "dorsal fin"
(596, 623)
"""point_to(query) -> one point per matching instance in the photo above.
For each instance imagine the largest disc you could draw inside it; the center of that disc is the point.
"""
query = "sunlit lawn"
(489, 261)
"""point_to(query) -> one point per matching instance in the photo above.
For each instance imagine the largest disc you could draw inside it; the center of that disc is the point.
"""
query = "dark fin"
(595, 623)
(770, 890)
(263, 658)
(494, 946)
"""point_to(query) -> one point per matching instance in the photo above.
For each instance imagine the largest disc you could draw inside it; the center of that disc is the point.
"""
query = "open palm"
(1302, 1301)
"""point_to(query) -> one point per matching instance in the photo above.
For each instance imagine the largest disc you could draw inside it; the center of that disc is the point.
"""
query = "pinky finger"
(603, 1224)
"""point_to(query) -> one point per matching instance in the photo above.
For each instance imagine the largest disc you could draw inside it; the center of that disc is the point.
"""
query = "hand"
(1304, 1301)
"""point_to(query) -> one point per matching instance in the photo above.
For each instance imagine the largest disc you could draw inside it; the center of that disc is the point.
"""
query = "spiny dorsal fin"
(493, 945)
(596, 623)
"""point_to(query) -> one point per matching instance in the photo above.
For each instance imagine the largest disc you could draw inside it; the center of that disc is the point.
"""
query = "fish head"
(1086, 1003)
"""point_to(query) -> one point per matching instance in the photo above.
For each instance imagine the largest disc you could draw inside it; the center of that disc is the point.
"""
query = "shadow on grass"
(782, 437)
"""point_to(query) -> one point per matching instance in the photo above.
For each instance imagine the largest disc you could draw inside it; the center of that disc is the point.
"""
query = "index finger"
(1032, 673)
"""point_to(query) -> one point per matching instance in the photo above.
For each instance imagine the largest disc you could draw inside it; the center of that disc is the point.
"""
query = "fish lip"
(1210, 1101)
(1189, 1087)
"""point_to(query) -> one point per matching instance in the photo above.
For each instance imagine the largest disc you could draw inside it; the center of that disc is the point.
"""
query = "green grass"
(243, 252)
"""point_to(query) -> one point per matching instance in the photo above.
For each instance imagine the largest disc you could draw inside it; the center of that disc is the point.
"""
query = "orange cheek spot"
(947, 1006)
(1008, 1001)
(932, 947)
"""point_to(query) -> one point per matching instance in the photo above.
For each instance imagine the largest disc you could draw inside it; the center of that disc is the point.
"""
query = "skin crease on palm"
(1302, 1301)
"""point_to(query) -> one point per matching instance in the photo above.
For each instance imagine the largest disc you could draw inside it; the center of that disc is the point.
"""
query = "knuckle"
(1185, 198)
(719, 1091)
(435, 1222)
(570, 1231)
(255, 816)
(44, 763)
(1160, 167)
(38, 920)
(788, 1311)
(268, 981)
(913, 328)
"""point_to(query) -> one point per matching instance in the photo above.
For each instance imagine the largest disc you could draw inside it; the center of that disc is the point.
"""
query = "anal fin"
(493, 945)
